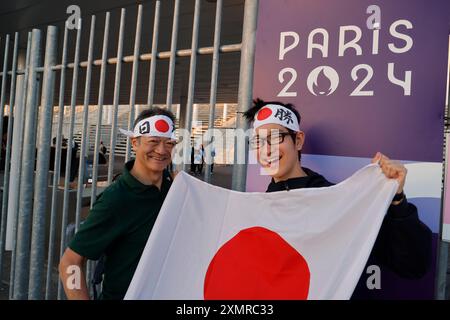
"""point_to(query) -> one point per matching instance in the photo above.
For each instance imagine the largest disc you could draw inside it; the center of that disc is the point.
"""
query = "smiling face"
(279, 157)
(153, 153)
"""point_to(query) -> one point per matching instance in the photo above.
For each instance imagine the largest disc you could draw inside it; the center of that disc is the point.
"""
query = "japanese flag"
(213, 243)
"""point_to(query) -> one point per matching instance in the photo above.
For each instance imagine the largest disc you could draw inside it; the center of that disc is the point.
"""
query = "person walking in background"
(213, 154)
(103, 148)
(202, 153)
(192, 159)
(197, 160)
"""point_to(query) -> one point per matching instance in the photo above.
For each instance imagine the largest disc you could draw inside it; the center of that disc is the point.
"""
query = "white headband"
(154, 126)
(276, 114)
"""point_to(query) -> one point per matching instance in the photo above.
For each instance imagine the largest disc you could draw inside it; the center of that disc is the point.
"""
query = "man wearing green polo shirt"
(122, 218)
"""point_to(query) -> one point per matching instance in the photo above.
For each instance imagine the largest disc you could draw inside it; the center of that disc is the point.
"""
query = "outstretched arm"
(404, 242)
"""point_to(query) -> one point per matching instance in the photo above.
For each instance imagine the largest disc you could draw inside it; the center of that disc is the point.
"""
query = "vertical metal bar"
(441, 272)
(173, 51)
(4, 80)
(112, 145)
(12, 96)
(137, 44)
(37, 256)
(245, 90)
(213, 90)
(16, 161)
(101, 93)
(56, 169)
(151, 80)
(27, 178)
(191, 85)
(90, 265)
(84, 140)
(73, 100)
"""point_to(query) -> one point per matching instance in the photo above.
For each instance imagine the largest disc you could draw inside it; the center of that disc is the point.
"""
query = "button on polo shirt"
(118, 226)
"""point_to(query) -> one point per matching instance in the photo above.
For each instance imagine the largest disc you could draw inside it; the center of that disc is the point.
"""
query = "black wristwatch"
(398, 196)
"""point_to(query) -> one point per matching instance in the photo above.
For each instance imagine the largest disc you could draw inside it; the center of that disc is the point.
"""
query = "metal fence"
(31, 215)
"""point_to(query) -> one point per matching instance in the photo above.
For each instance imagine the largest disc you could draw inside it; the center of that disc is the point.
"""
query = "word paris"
(324, 80)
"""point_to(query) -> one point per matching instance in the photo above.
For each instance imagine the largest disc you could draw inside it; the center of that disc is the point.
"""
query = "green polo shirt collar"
(138, 186)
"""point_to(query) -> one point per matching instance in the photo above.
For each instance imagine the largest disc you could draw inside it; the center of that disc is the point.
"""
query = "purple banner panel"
(364, 77)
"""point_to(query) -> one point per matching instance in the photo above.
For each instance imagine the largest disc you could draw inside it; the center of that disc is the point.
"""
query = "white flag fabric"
(213, 243)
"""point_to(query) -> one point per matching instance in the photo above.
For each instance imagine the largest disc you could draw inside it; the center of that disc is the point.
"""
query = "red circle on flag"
(257, 264)
(162, 125)
(264, 113)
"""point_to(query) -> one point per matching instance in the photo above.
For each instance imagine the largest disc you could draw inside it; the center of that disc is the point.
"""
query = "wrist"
(398, 198)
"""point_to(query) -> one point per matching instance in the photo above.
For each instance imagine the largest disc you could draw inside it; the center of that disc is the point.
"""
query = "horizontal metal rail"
(229, 48)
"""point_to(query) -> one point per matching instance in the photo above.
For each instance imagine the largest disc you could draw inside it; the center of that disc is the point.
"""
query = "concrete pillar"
(177, 116)
(107, 115)
(225, 112)
(182, 108)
